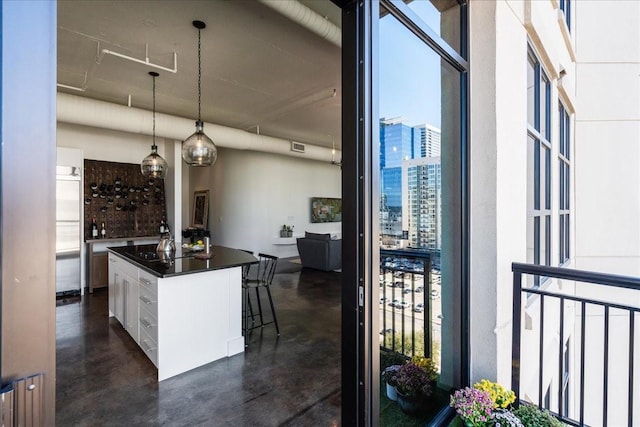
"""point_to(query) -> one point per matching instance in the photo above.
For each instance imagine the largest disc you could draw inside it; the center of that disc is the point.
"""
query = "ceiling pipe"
(84, 111)
(146, 60)
(307, 18)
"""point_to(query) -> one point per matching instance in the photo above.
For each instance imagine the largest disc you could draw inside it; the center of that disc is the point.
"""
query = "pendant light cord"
(154, 113)
(199, 78)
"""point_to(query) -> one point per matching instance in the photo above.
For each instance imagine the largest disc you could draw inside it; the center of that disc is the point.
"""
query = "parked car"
(406, 291)
(419, 289)
(419, 308)
(396, 284)
(404, 304)
(435, 294)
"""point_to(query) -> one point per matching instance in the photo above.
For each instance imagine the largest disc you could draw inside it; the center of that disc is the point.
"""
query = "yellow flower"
(501, 398)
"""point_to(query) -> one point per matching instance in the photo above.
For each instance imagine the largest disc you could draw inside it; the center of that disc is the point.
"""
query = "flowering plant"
(474, 406)
(428, 365)
(412, 380)
(500, 397)
(390, 375)
(506, 418)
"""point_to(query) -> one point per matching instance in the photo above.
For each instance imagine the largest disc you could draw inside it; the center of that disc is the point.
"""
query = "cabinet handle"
(112, 260)
(145, 281)
(146, 347)
(145, 300)
(146, 323)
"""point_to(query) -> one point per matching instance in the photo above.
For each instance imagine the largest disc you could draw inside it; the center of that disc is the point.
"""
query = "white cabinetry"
(182, 321)
(131, 306)
(148, 316)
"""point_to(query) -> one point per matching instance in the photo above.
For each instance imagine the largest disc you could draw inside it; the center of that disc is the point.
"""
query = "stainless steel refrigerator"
(68, 229)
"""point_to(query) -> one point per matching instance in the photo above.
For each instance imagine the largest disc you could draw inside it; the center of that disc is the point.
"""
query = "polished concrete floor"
(104, 379)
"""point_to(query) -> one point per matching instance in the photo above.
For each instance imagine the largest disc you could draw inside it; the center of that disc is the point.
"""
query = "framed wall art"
(200, 209)
(326, 209)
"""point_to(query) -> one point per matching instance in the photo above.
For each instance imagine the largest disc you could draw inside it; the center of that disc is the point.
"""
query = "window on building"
(565, 6)
(538, 165)
(564, 164)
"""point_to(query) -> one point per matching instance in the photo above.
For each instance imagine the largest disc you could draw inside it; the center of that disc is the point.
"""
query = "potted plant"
(390, 378)
(531, 415)
(501, 397)
(430, 367)
(486, 404)
(286, 230)
(473, 406)
(413, 386)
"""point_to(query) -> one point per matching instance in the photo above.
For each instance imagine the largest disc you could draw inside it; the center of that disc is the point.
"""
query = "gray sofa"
(320, 252)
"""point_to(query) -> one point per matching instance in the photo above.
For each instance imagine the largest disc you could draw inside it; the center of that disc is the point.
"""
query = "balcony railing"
(405, 301)
(576, 336)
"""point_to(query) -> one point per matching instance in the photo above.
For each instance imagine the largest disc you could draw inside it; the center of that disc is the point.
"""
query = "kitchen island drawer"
(148, 280)
(148, 300)
(149, 346)
(149, 322)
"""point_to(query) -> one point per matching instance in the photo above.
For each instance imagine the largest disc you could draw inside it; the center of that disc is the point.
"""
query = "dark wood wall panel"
(130, 204)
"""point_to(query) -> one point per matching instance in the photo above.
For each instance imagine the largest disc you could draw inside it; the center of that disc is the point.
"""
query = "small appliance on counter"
(195, 234)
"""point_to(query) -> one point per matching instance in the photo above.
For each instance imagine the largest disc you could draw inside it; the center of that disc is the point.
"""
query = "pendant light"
(154, 166)
(199, 149)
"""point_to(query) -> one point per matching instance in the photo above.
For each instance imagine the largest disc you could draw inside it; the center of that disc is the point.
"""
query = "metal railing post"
(515, 335)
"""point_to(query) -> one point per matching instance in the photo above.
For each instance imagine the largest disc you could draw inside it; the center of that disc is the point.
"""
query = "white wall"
(253, 194)
(607, 184)
(608, 130)
(501, 33)
(123, 147)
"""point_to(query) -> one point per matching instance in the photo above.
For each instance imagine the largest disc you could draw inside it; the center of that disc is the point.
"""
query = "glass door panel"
(419, 288)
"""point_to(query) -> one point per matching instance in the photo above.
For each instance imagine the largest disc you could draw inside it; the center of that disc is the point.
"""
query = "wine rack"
(130, 204)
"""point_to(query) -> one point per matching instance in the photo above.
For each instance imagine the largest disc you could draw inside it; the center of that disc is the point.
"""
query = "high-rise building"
(421, 207)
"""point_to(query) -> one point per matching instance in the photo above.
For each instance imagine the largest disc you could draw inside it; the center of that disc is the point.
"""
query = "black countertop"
(181, 261)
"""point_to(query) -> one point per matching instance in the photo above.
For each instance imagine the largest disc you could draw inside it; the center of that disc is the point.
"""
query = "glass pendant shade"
(154, 166)
(199, 149)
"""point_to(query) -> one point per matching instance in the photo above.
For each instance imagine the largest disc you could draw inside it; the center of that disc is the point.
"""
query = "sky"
(409, 81)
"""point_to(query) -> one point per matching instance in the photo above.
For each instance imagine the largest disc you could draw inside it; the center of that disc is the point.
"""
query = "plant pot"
(410, 405)
(289, 233)
(392, 394)
(283, 233)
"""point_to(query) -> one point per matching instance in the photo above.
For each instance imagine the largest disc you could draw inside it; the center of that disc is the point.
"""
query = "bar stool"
(246, 301)
(263, 280)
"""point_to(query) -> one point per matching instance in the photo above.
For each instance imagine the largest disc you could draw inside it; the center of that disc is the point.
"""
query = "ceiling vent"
(297, 147)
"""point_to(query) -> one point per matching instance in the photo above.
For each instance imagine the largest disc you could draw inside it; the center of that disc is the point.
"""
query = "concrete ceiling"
(260, 70)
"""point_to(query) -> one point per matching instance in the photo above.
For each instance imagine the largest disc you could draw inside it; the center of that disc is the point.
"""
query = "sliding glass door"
(406, 175)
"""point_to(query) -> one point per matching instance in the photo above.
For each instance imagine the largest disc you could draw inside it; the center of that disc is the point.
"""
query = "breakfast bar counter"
(182, 311)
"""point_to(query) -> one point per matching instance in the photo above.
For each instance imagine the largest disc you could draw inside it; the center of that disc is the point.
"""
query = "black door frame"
(360, 193)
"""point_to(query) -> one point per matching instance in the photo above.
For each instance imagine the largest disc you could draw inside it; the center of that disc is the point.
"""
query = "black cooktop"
(181, 261)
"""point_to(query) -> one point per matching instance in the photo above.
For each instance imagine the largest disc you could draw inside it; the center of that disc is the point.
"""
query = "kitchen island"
(182, 311)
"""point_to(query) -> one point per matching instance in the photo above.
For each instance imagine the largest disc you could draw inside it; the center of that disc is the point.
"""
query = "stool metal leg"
(273, 310)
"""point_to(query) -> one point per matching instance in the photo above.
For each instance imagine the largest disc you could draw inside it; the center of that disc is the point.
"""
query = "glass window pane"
(531, 96)
(544, 103)
(546, 241)
(531, 175)
(442, 16)
(546, 178)
(419, 140)
(561, 239)
(536, 240)
(561, 173)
